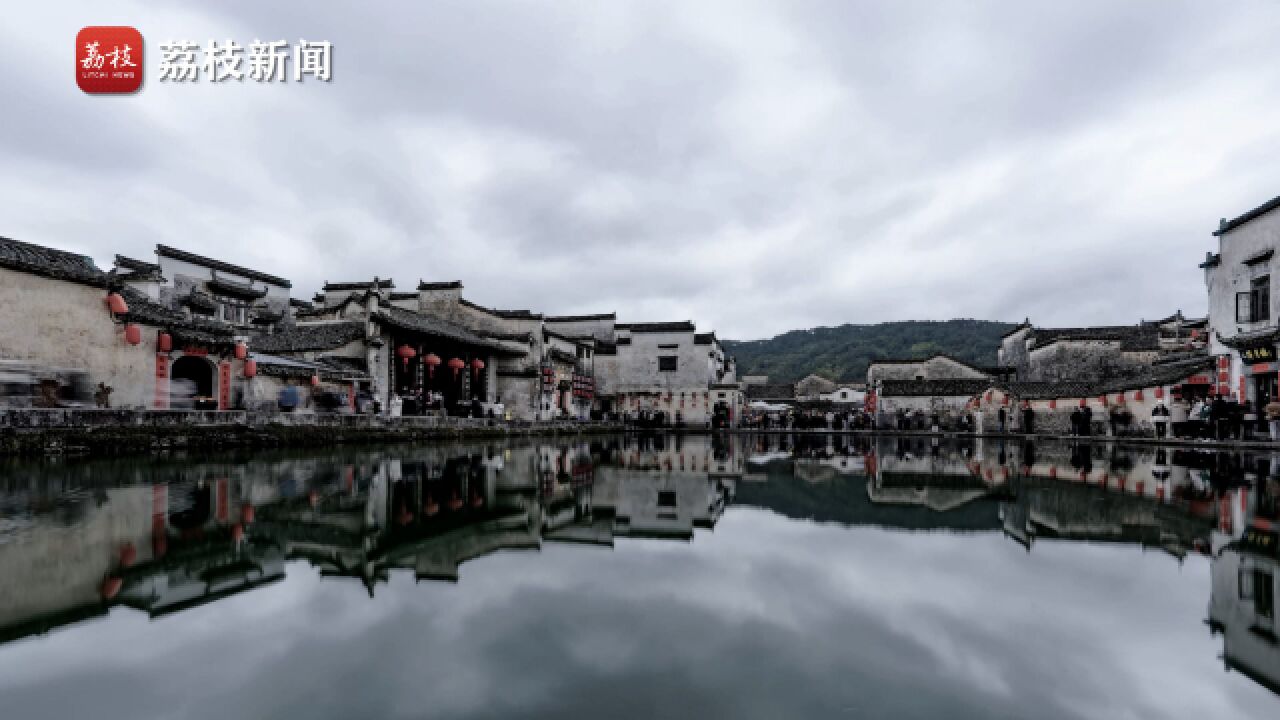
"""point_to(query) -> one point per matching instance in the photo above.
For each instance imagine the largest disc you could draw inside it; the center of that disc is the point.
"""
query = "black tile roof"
(309, 337)
(226, 286)
(508, 314)
(197, 300)
(403, 296)
(50, 263)
(947, 387)
(1144, 336)
(1228, 225)
(520, 337)
(562, 355)
(450, 285)
(658, 327)
(1020, 326)
(917, 361)
(183, 255)
(338, 286)
(185, 330)
(708, 338)
(771, 392)
(300, 303)
(575, 339)
(579, 318)
(418, 323)
(137, 265)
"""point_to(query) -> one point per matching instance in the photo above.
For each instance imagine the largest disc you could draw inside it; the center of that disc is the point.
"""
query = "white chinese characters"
(268, 62)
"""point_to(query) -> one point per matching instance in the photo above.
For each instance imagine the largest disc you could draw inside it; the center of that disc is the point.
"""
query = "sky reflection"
(759, 616)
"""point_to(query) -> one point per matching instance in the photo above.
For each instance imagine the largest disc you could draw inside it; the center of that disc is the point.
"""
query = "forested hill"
(843, 353)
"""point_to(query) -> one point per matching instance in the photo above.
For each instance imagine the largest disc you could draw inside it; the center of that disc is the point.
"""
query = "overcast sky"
(754, 166)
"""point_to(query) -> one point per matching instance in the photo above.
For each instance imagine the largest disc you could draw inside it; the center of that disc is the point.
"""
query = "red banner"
(224, 385)
(162, 382)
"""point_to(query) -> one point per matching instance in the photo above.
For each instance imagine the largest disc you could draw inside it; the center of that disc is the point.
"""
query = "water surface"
(744, 577)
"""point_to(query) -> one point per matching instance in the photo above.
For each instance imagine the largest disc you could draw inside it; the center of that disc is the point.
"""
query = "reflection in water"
(166, 536)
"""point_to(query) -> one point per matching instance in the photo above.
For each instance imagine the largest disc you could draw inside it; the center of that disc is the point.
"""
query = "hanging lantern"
(431, 361)
(237, 532)
(406, 354)
(476, 366)
(164, 342)
(111, 587)
(315, 381)
(128, 554)
(456, 365)
(241, 351)
(116, 304)
(247, 513)
(132, 334)
(250, 368)
(1083, 402)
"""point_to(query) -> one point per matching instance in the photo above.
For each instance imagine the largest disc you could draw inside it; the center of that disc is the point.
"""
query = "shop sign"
(1259, 541)
(1259, 354)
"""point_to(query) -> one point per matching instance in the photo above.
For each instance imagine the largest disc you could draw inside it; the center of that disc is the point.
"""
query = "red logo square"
(109, 59)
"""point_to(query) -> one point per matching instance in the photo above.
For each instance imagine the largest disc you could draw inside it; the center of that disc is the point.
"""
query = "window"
(667, 363)
(669, 347)
(1255, 305)
(1264, 593)
(666, 498)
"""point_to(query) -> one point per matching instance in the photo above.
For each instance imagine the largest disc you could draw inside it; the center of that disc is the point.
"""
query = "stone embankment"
(122, 432)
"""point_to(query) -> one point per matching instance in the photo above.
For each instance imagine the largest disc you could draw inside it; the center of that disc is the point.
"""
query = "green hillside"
(844, 352)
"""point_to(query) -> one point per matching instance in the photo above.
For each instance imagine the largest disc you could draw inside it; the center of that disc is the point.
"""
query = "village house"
(407, 349)
(1242, 310)
(669, 372)
(59, 313)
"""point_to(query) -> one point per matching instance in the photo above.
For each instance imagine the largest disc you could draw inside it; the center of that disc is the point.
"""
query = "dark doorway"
(190, 379)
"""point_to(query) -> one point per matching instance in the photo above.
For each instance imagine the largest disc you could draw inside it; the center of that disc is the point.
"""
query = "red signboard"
(224, 385)
(162, 382)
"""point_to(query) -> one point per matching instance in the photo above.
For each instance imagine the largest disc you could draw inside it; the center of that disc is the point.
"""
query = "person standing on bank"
(1077, 418)
(1160, 419)
(1086, 421)
(1028, 419)
(1001, 418)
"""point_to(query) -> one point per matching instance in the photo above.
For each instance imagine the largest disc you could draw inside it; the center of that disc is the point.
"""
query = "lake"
(642, 577)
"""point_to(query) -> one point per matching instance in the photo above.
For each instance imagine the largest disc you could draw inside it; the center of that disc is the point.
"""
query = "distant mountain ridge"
(844, 352)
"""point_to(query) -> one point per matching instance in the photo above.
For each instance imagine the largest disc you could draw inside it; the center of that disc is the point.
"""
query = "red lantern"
(116, 304)
(315, 381)
(1083, 402)
(406, 354)
(132, 334)
(250, 368)
(237, 532)
(431, 361)
(456, 365)
(242, 351)
(247, 513)
(111, 587)
(164, 342)
(128, 554)
(476, 366)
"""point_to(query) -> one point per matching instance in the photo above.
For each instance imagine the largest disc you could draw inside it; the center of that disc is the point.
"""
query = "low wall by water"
(117, 432)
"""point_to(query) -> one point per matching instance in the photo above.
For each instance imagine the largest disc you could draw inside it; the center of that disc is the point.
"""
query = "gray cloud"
(756, 166)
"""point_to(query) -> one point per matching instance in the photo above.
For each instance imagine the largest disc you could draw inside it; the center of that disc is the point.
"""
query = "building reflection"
(164, 537)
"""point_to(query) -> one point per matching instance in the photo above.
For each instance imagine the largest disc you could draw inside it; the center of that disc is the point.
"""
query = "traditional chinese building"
(60, 312)
(1242, 312)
